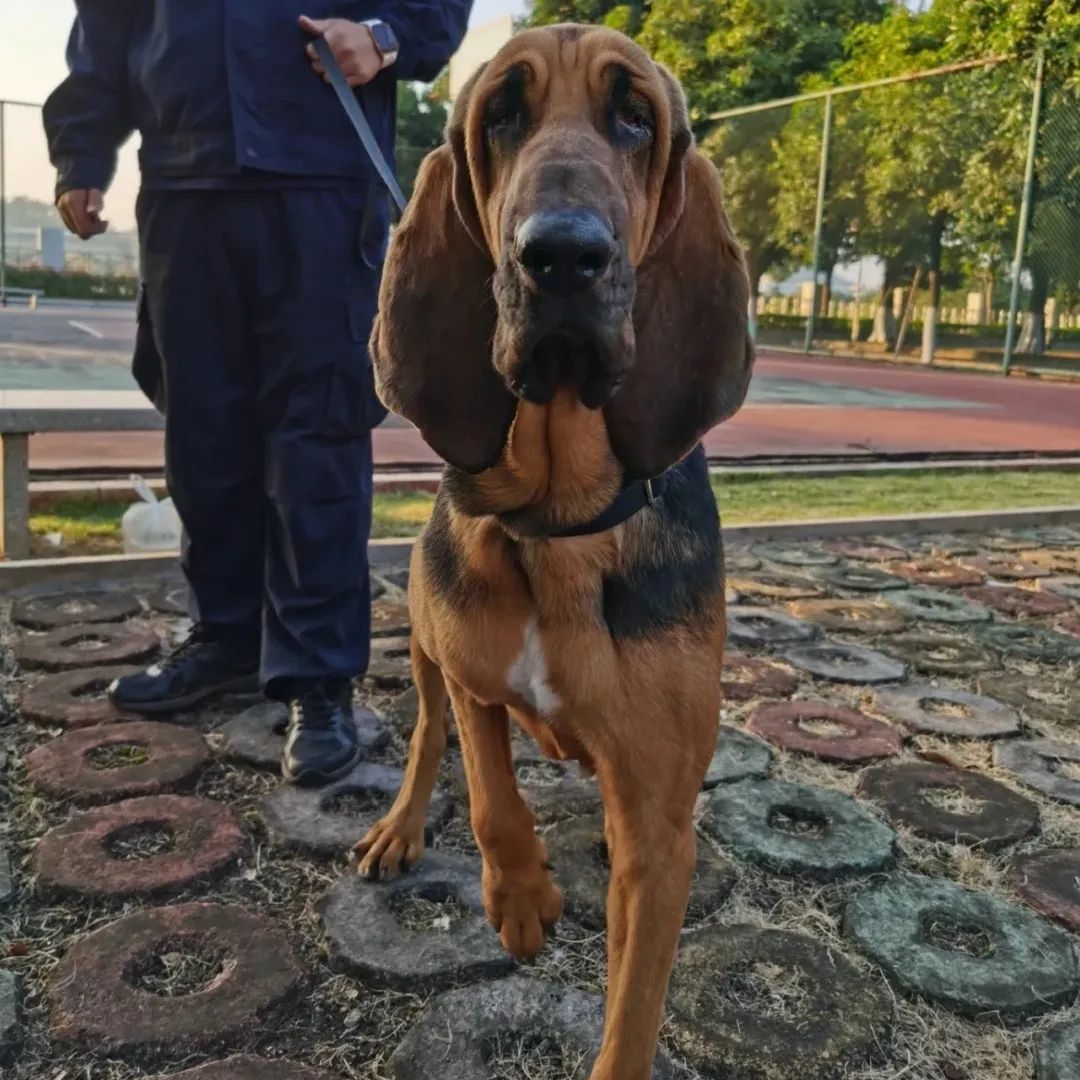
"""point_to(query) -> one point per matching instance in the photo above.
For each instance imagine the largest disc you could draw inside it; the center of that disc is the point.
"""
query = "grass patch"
(94, 524)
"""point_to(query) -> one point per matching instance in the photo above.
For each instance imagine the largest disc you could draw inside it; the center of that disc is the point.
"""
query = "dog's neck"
(557, 470)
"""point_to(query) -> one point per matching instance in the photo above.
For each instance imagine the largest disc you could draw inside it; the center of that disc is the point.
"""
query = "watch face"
(384, 37)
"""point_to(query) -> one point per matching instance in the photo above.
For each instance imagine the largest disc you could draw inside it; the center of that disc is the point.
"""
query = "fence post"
(819, 217)
(1025, 213)
(3, 214)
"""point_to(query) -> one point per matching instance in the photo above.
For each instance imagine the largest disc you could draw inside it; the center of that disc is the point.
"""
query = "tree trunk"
(930, 315)
(1032, 340)
(884, 330)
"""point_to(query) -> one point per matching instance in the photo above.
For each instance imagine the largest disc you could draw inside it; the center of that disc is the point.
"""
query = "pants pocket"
(146, 365)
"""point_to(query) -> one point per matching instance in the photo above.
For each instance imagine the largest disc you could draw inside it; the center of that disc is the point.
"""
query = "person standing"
(262, 229)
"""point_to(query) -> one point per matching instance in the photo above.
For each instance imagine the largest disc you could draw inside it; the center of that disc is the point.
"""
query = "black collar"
(634, 497)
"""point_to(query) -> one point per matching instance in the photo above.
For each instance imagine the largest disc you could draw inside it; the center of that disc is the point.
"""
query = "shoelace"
(316, 709)
(182, 653)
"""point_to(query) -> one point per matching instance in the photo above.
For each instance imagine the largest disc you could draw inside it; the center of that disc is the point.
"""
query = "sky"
(33, 34)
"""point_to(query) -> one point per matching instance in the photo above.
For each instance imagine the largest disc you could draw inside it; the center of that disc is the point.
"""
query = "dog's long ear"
(694, 355)
(431, 342)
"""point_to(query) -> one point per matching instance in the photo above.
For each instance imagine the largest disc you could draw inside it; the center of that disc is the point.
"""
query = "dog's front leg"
(519, 896)
(652, 847)
(396, 842)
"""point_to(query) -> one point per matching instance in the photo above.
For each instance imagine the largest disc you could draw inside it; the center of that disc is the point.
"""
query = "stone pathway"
(888, 879)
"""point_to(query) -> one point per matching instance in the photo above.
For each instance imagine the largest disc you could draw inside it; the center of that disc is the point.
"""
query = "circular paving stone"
(1043, 765)
(760, 626)
(1005, 567)
(949, 804)
(419, 932)
(861, 552)
(772, 1005)
(850, 616)
(49, 612)
(1056, 562)
(512, 1027)
(964, 949)
(941, 710)
(862, 579)
(110, 851)
(938, 574)
(10, 1013)
(739, 558)
(1014, 601)
(825, 731)
(1005, 542)
(1029, 642)
(85, 645)
(390, 665)
(577, 852)
(934, 606)
(552, 790)
(745, 678)
(765, 586)
(170, 599)
(1039, 699)
(7, 885)
(1070, 626)
(1058, 1053)
(245, 1067)
(257, 736)
(938, 654)
(111, 762)
(737, 757)
(74, 699)
(796, 829)
(845, 663)
(332, 819)
(795, 554)
(389, 619)
(111, 988)
(1050, 882)
(1069, 587)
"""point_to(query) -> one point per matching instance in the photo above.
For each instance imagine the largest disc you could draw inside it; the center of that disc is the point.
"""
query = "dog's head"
(567, 233)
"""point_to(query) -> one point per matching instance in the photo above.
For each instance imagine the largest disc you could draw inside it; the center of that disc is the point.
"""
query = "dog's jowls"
(564, 311)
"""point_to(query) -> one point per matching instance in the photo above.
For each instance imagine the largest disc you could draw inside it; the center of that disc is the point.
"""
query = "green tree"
(421, 117)
(627, 17)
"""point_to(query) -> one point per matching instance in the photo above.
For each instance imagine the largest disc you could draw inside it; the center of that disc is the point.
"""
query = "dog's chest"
(529, 675)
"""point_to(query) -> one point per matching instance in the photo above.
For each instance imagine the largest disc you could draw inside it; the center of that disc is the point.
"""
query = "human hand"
(80, 209)
(353, 47)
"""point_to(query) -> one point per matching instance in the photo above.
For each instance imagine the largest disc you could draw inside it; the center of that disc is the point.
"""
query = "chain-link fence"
(886, 218)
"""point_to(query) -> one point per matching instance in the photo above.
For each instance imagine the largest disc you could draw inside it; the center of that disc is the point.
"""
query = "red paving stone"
(991, 415)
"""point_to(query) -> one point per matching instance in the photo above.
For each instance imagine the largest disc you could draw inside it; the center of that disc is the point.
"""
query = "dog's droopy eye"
(505, 115)
(631, 120)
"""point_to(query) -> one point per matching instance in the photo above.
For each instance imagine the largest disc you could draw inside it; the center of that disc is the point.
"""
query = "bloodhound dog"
(563, 316)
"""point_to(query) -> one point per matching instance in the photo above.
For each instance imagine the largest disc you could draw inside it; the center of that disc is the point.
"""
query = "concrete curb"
(387, 553)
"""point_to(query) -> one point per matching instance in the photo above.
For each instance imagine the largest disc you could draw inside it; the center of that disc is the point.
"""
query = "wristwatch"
(386, 42)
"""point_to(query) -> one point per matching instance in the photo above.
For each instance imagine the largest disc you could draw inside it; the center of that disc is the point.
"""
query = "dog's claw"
(391, 847)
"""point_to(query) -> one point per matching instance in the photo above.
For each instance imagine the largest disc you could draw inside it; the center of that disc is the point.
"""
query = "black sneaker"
(321, 743)
(200, 667)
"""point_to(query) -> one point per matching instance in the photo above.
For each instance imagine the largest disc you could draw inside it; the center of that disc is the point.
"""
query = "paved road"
(797, 405)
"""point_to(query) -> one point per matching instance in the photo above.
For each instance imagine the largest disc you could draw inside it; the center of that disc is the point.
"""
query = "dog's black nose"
(564, 251)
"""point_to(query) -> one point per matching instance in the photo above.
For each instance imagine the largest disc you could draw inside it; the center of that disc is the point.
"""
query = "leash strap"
(359, 121)
(628, 502)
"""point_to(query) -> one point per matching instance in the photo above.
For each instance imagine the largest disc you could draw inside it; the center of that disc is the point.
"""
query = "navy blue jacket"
(219, 86)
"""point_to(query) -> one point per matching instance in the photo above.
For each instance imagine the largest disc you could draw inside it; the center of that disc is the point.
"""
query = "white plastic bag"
(150, 524)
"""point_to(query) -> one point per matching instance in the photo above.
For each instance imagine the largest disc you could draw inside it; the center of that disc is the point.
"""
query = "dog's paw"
(522, 908)
(392, 846)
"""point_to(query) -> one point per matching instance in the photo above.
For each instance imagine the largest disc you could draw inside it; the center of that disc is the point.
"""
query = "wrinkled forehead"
(565, 71)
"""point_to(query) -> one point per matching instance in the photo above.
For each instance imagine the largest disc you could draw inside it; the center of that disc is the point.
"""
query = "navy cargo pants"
(253, 323)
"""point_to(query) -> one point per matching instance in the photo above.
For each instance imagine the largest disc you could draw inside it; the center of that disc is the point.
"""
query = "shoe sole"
(245, 684)
(321, 777)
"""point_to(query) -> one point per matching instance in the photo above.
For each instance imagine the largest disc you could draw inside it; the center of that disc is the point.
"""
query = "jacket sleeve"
(428, 32)
(88, 116)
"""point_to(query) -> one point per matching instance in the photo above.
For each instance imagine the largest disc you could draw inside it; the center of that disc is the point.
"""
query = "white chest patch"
(528, 675)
